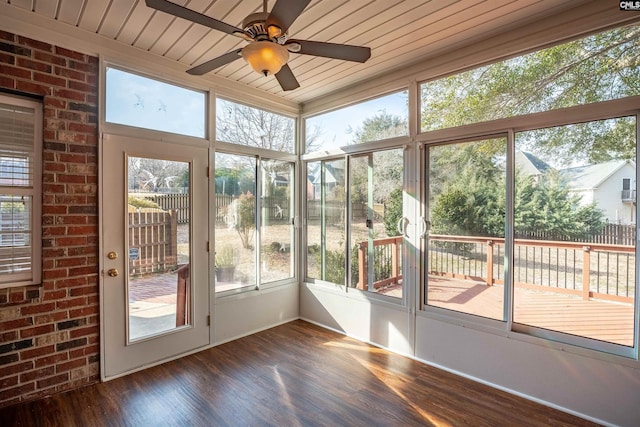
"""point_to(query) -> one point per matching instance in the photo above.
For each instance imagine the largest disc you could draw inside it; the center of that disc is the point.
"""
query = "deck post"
(183, 291)
(586, 272)
(394, 260)
(489, 262)
(362, 267)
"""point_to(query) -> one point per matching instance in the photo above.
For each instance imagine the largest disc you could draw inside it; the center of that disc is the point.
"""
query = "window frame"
(163, 135)
(34, 191)
(259, 154)
(603, 110)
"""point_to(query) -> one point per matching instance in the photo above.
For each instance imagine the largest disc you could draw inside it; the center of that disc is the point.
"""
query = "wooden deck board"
(297, 374)
(600, 320)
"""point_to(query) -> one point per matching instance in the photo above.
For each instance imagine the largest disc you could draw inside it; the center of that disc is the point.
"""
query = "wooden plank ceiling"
(399, 32)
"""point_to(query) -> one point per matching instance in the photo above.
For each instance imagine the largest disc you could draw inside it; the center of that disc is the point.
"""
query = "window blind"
(17, 141)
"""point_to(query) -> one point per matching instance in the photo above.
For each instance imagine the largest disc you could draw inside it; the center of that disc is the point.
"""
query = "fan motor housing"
(255, 26)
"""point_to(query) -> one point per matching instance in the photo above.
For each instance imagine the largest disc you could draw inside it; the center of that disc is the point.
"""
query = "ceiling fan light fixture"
(265, 57)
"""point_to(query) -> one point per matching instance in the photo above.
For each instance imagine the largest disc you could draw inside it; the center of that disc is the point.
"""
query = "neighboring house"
(333, 175)
(529, 165)
(610, 185)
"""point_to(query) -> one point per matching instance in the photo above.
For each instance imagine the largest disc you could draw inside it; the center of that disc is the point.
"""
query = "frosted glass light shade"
(265, 57)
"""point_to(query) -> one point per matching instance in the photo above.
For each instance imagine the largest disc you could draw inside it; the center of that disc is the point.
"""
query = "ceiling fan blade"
(205, 67)
(191, 15)
(285, 12)
(286, 78)
(332, 50)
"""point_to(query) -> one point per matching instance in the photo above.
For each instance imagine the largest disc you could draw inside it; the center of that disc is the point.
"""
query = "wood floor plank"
(297, 374)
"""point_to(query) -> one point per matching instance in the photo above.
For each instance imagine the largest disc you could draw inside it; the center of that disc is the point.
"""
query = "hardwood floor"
(296, 374)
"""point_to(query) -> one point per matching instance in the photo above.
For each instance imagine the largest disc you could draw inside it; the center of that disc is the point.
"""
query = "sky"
(142, 102)
(334, 125)
(151, 104)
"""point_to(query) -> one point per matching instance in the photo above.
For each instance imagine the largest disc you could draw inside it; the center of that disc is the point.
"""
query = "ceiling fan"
(269, 45)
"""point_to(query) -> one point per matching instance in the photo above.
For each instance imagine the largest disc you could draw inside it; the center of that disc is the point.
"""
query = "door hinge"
(208, 246)
(209, 320)
(207, 171)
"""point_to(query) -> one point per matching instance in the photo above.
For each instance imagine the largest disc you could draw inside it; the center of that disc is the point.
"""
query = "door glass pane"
(376, 208)
(326, 221)
(235, 238)
(575, 229)
(158, 231)
(276, 230)
(465, 259)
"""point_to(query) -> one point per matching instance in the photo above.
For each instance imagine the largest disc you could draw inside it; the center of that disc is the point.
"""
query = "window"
(533, 229)
(254, 198)
(377, 119)
(325, 214)
(253, 127)
(574, 269)
(355, 237)
(235, 238)
(375, 211)
(465, 256)
(597, 68)
(252, 194)
(276, 220)
(142, 102)
(20, 201)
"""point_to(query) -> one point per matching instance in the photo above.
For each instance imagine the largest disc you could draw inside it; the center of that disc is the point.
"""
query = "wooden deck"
(296, 374)
(602, 320)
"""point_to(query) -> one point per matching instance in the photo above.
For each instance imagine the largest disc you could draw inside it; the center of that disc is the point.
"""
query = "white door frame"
(118, 357)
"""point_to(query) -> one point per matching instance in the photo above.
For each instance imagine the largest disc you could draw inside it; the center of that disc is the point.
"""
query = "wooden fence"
(274, 208)
(178, 202)
(611, 234)
(334, 211)
(153, 241)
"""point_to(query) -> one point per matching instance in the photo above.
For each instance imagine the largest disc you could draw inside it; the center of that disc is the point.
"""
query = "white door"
(154, 281)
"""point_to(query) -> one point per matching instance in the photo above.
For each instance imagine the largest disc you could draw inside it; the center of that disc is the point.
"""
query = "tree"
(388, 165)
(476, 209)
(548, 205)
(156, 175)
(596, 68)
(393, 212)
(380, 126)
(244, 125)
(243, 211)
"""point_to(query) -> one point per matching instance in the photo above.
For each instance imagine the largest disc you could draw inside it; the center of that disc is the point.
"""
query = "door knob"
(112, 272)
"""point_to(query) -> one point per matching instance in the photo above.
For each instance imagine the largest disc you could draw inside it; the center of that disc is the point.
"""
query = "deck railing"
(602, 271)
(589, 270)
(387, 263)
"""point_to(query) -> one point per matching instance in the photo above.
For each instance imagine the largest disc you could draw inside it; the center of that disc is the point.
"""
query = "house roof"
(528, 164)
(592, 176)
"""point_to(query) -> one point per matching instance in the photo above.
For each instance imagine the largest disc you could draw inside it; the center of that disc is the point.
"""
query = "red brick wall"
(49, 334)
